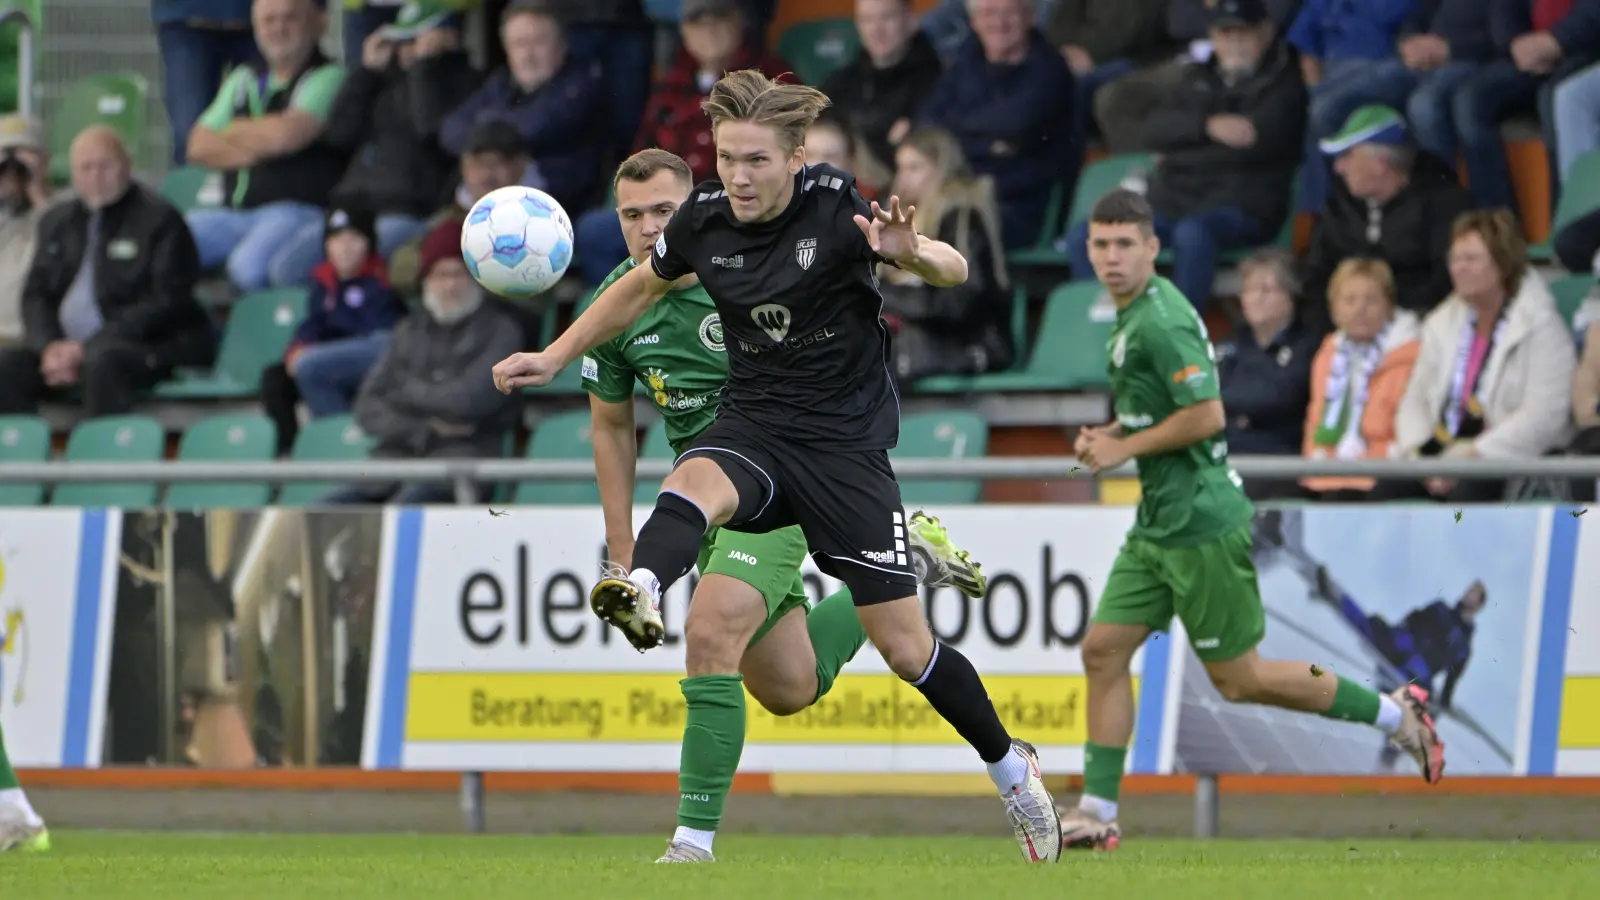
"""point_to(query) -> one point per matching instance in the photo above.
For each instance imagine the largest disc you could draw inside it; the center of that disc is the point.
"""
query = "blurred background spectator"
(1359, 374)
(200, 40)
(959, 330)
(1586, 395)
(880, 91)
(25, 194)
(108, 305)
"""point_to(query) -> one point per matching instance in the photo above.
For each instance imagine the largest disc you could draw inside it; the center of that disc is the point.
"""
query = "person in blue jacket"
(350, 310)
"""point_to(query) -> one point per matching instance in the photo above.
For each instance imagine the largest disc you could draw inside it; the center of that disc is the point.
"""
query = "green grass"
(280, 867)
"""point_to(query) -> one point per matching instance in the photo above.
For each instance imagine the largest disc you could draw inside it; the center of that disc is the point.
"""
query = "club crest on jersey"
(773, 319)
(805, 252)
(711, 332)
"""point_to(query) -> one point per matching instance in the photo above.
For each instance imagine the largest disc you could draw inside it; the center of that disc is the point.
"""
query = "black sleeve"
(670, 261)
(350, 118)
(40, 308)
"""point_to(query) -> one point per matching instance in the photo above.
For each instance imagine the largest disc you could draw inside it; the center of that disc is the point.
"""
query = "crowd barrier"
(458, 640)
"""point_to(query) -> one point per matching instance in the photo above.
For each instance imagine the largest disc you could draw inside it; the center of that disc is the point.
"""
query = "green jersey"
(674, 351)
(1162, 361)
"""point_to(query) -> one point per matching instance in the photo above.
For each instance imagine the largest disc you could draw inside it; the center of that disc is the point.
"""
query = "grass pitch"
(125, 865)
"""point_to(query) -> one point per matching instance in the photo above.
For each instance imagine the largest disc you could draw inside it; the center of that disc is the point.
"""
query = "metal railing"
(467, 474)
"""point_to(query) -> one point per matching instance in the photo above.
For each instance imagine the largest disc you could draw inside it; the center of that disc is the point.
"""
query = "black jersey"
(800, 308)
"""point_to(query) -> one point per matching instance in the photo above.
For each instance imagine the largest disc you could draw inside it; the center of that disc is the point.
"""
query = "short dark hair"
(648, 163)
(1124, 207)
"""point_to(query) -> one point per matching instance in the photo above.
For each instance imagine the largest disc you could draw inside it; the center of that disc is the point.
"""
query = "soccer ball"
(517, 241)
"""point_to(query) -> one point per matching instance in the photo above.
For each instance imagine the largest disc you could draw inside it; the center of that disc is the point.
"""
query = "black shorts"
(847, 504)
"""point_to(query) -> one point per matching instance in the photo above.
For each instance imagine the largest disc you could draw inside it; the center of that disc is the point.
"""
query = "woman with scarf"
(1493, 379)
(1359, 375)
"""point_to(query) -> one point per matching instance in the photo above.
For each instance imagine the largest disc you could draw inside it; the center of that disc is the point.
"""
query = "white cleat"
(940, 563)
(22, 837)
(626, 605)
(1033, 813)
(679, 852)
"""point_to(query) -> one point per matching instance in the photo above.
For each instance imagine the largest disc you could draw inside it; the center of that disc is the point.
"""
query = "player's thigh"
(724, 614)
(1136, 591)
(780, 666)
(1217, 596)
(734, 471)
(769, 562)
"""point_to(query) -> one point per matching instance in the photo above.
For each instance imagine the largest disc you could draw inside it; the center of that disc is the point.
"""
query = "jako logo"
(647, 339)
(743, 557)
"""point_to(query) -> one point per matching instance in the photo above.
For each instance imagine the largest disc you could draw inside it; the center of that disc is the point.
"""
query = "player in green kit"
(20, 827)
(1188, 553)
(794, 651)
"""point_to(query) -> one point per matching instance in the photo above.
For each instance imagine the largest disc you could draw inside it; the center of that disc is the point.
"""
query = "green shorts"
(1211, 588)
(769, 562)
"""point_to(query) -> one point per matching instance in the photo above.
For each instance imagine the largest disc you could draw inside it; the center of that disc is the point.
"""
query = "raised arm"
(616, 454)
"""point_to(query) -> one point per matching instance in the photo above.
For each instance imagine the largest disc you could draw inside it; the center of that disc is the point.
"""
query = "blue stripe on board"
(85, 637)
(1551, 674)
(402, 607)
(1152, 711)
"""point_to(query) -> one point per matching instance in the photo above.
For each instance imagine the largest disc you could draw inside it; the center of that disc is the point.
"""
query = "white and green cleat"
(630, 608)
(680, 852)
(940, 563)
(24, 838)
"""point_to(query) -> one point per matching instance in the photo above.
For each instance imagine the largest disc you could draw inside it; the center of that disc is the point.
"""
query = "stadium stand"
(328, 439)
(230, 437)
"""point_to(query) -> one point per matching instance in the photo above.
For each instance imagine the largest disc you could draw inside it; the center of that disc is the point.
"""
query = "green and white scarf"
(1345, 400)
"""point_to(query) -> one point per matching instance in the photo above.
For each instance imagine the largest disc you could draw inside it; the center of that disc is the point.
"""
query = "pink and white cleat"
(1417, 736)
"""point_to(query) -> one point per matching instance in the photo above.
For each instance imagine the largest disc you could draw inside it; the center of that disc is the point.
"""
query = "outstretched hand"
(891, 232)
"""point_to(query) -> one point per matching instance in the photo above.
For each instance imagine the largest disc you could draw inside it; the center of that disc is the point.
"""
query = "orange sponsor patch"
(1185, 374)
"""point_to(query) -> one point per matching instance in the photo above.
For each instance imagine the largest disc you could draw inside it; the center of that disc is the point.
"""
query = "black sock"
(955, 691)
(669, 542)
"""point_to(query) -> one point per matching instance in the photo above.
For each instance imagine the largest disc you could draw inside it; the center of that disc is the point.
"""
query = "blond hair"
(750, 96)
(957, 189)
(1374, 270)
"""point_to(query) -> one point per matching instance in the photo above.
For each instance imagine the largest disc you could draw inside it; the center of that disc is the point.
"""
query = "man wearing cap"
(24, 196)
(556, 102)
(1392, 201)
(263, 132)
(427, 396)
(386, 116)
(1229, 138)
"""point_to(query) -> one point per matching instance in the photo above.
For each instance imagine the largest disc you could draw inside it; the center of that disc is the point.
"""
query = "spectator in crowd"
(1007, 97)
(1102, 42)
(1544, 41)
(1577, 245)
(427, 396)
(714, 43)
(109, 304)
(350, 310)
(387, 115)
(495, 158)
(1264, 371)
(1575, 104)
(949, 26)
(263, 132)
(1229, 139)
(1340, 42)
(614, 38)
(960, 330)
(1359, 374)
(24, 198)
(1390, 202)
(1586, 395)
(831, 141)
(1493, 377)
(1121, 106)
(880, 91)
(556, 103)
(199, 41)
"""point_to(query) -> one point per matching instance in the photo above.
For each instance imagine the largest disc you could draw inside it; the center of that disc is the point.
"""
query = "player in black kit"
(788, 254)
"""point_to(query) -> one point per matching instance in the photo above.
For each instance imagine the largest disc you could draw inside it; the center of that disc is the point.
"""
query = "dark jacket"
(1578, 32)
(1013, 122)
(144, 279)
(1464, 25)
(1196, 174)
(1265, 390)
(1349, 29)
(1413, 238)
(873, 99)
(564, 122)
(356, 307)
(673, 119)
(1190, 20)
(389, 123)
(1135, 29)
(432, 371)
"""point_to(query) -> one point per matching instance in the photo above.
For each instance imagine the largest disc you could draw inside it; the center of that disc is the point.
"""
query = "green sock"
(713, 740)
(8, 777)
(1102, 770)
(836, 635)
(1353, 703)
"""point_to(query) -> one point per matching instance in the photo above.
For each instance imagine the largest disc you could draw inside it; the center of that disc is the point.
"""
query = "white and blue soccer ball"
(517, 241)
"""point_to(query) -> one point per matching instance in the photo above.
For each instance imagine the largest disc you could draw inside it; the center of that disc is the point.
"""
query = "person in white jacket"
(1493, 378)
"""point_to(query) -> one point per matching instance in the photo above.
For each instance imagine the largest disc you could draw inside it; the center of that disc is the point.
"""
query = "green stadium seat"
(952, 434)
(1097, 179)
(1044, 252)
(819, 47)
(259, 329)
(227, 438)
(23, 439)
(1570, 291)
(113, 439)
(328, 439)
(1580, 192)
(655, 447)
(185, 187)
(561, 436)
(117, 99)
(1069, 352)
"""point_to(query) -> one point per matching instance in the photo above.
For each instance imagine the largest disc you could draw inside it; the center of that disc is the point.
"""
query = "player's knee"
(783, 700)
(1104, 654)
(712, 645)
(1238, 685)
(700, 481)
